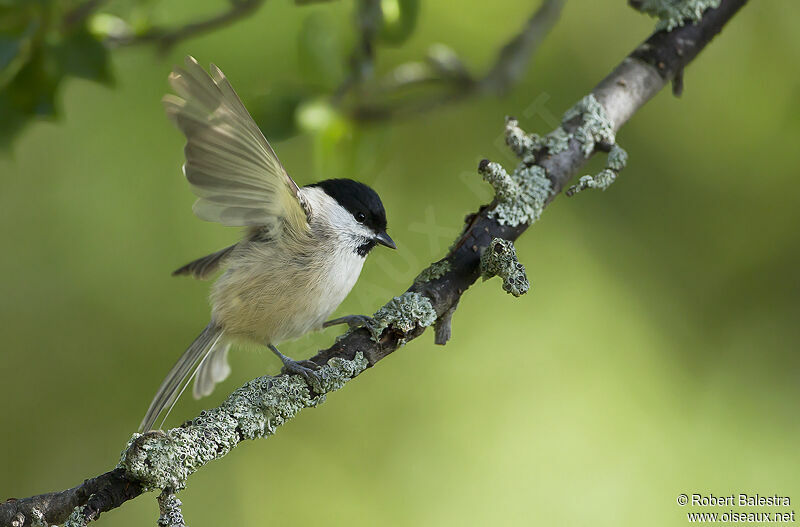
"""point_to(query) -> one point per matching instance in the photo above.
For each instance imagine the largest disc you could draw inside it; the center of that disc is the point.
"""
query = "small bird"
(302, 251)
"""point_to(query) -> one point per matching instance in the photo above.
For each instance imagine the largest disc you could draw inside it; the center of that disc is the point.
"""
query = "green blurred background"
(656, 353)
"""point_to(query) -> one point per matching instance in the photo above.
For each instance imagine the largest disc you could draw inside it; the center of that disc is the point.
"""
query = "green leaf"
(32, 65)
(15, 51)
(399, 20)
(31, 93)
(320, 52)
(12, 122)
(81, 54)
(33, 90)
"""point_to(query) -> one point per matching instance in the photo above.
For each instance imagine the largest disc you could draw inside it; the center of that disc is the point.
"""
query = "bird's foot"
(305, 368)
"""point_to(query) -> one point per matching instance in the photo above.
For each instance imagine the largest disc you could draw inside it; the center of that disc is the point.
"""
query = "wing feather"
(230, 166)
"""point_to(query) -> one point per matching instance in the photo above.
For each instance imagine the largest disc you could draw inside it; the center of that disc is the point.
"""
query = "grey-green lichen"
(505, 188)
(557, 141)
(616, 160)
(500, 259)
(523, 144)
(521, 196)
(169, 507)
(404, 313)
(433, 271)
(595, 125)
(77, 518)
(37, 518)
(159, 460)
(675, 13)
(600, 181)
(595, 128)
(590, 126)
(588, 121)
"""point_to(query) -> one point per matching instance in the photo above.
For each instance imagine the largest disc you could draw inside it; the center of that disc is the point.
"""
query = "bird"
(302, 250)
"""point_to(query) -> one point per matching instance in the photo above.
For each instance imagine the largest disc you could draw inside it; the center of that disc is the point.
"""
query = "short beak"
(384, 239)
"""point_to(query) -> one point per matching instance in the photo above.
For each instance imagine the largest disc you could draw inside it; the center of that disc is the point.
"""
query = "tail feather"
(184, 369)
(212, 370)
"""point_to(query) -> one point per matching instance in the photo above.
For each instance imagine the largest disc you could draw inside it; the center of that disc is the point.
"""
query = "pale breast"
(271, 294)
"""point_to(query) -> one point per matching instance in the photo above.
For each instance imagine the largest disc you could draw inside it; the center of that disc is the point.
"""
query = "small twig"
(369, 16)
(677, 83)
(169, 507)
(382, 112)
(443, 327)
(166, 38)
(442, 67)
(453, 80)
(513, 58)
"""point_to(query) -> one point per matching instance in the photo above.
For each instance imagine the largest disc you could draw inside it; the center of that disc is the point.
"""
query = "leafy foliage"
(42, 43)
(37, 52)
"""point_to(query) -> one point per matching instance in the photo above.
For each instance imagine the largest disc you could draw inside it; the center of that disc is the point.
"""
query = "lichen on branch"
(77, 518)
(160, 460)
(523, 144)
(521, 196)
(169, 507)
(404, 313)
(616, 160)
(500, 259)
(674, 13)
(587, 123)
(433, 271)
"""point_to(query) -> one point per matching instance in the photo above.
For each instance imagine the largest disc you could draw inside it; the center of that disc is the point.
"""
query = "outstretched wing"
(229, 163)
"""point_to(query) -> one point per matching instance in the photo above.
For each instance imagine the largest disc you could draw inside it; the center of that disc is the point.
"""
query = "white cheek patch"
(337, 220)
(364, 231)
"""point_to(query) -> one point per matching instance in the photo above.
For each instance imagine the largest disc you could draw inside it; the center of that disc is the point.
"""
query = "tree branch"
(103, 493)
(166, 459)
(444, 70)
(166, 38)
(515, 55)
(369, 16)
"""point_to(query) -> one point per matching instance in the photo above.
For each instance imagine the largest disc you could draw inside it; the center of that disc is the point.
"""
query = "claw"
(306, 368)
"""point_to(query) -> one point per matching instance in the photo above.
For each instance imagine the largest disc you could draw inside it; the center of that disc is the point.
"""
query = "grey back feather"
(204, 267)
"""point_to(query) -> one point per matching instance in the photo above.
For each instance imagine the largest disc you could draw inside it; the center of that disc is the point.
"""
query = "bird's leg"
(353, 321)
(304, 367)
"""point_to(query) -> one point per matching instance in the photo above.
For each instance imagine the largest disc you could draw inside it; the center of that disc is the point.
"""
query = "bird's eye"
(360, 217)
